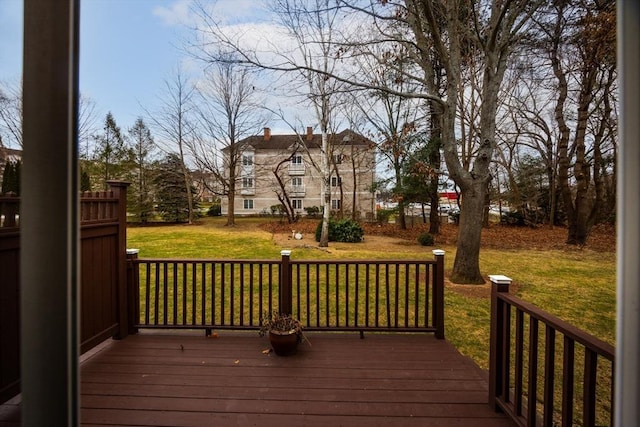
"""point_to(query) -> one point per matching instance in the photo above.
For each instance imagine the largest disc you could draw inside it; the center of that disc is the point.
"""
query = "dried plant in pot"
(284, 332)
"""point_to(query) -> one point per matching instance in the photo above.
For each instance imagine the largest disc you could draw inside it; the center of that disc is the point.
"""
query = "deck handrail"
(543, 394)
(337, 295)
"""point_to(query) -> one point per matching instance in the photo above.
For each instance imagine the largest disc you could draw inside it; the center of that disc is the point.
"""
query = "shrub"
(344, 230)
(313, 211)
(214, 210)
(425, 239)
(383, 215)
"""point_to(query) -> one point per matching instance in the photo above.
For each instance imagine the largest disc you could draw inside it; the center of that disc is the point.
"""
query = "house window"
(337, 158)
(247, 204)
(247, 182)
(335, 204)
(247, 160)
(296, 160)
(336, 181)
(296, 181)
(296, 203)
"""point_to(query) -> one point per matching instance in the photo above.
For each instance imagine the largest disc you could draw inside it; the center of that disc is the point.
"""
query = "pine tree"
(140, 197)
(171, 194)
(11, 178)
(110, 152)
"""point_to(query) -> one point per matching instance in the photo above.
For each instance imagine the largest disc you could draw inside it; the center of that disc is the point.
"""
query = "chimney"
(309, 133)
(267, 134)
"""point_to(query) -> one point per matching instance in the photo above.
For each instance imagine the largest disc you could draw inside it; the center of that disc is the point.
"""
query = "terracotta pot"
(284, 343)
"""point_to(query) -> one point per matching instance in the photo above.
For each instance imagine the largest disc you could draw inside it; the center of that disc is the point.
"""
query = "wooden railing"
(324, 295)
(554, 375)
(103, 311)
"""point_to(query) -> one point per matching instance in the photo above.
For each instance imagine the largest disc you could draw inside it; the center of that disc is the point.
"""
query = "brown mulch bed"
(601, 239)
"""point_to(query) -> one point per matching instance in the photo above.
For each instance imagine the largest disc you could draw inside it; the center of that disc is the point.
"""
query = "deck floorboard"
(154, 379)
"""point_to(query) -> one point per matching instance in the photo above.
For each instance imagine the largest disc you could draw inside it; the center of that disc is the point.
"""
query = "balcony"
(296, 169)
(297, 191)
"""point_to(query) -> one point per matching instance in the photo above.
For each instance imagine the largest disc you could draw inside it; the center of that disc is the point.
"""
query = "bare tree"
(11, 114)
(229, 111)
(174, 123)
(310, 31)
(431, 33)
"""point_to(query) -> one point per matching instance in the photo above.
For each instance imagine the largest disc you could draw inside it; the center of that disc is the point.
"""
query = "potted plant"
(284, 332)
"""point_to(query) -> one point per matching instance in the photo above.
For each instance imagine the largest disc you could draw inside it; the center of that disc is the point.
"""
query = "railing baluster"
(346, 295)
(549, 371)
(589, 393)
(357, 294)
(568, 372)
(366, 302)
(175, 294)
(416, 294)
(308, 281)
(194, 291)
(203, 300)
(428, 272)
(214, 283)
(232, 294)
(147, 294)
(157, 294)
(533, 371)
(326, 281)
(241, 294)
(222, 292)
(318, 309)
(377, 295)
(337, 281)
(518, 362)
(251, 292)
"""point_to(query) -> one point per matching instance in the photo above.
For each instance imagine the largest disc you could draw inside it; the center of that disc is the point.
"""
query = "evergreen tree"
(11, 177)
(171, 194)
(85, 181)
(110, 154)
(140, 198)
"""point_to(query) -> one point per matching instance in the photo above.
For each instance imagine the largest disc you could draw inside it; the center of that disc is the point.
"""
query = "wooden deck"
(191, 380)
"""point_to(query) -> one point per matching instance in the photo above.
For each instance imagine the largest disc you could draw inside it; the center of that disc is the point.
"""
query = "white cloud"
(178, 13)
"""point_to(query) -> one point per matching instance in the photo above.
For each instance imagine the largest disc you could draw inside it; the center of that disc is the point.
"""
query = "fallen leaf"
(267, 351)
(236, 362)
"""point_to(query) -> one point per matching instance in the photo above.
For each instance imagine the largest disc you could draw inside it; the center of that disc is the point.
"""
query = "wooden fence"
(556, 375)
(324, 295)
(103, 276)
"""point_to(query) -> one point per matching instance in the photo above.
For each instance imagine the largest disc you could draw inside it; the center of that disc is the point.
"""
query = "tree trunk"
(466, 267)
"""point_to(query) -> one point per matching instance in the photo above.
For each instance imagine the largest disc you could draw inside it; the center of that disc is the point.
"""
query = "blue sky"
(126, 52)
(128, 49)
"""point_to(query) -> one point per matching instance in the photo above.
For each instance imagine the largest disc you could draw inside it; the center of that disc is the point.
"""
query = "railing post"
(133, 291)
(285, 295)
(119, 189)
(497, 348)
(438, 293)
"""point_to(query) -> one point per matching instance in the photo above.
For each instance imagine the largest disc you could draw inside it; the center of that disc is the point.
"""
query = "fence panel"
(103, 239)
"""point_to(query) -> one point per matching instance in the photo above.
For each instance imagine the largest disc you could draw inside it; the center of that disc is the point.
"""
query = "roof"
(283, 142)
(9, 153)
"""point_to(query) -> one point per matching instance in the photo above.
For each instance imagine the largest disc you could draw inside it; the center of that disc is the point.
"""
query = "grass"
(576, 285)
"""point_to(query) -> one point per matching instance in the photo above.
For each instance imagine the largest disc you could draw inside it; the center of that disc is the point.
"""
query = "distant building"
(293, 157)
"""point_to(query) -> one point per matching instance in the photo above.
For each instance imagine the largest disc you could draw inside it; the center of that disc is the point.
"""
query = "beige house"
(286, 168)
